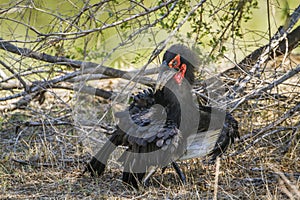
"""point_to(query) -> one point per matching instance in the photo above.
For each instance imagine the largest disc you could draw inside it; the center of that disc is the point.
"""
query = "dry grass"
(47, 161)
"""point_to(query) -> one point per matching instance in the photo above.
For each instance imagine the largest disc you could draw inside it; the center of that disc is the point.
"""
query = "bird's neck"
(178, 101)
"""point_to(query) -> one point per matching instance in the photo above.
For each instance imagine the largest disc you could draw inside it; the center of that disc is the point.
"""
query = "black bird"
(164, 125)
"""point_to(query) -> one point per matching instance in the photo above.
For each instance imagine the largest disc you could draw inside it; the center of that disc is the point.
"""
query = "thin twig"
(216, 178)
(114, 24)
(292, 186)
(24, 162)
(16, 75)
(287, 75)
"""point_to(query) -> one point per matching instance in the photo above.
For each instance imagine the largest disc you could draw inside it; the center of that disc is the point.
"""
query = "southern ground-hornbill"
(164, 124)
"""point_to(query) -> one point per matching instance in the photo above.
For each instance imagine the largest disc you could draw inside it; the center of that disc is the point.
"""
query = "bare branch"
(58, 60)
(267, 131)
(106, 26)
(292, 38)
(15, 74)
(255, 70)
(94, 91)
(289, 74)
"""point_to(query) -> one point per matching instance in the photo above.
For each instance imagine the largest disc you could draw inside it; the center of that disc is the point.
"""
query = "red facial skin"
(176, 64)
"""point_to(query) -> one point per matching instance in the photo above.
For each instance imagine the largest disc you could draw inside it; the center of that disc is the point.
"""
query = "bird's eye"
(175, 62)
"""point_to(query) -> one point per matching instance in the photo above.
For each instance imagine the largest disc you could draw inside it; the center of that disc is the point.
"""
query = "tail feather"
(228, 134)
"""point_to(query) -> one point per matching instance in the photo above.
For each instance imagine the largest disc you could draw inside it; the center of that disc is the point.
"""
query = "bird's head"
(179, 63)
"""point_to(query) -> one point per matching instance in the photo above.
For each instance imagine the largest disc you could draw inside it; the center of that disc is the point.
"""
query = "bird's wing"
(217, 130)
(150, 132)
(201, 144)
(145, 123)
(150, 137)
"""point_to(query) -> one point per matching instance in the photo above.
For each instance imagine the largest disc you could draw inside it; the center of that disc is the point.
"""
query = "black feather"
(164, 127)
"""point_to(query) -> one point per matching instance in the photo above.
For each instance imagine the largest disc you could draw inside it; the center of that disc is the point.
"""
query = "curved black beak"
(165, 74)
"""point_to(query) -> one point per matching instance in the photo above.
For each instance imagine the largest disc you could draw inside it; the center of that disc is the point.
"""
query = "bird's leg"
(129, 176)
(95, 167)
(179, 172)
(164, 169)
(98, 163)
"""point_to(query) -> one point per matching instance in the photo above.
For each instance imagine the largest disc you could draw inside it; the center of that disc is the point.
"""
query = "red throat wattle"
(176, 64)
